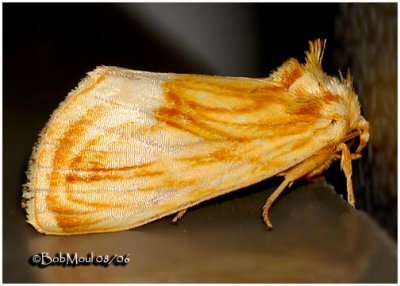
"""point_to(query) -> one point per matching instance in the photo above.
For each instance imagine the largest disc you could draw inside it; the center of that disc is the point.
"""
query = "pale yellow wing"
(128, 147)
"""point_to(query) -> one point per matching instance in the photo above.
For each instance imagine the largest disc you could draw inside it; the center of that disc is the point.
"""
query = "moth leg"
(178, 216)
(271, 200)
(345, 164)
(318, 171)
(300, 170)
(316, 174)
(364, 137)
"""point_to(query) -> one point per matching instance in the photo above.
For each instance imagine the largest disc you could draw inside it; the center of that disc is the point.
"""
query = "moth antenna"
(316, 52)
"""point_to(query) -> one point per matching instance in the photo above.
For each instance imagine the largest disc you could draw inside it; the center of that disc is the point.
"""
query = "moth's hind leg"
(312, 165)
(178, 216)
(270, 201)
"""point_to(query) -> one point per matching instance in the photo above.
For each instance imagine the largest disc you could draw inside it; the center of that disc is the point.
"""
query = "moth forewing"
(128, 147)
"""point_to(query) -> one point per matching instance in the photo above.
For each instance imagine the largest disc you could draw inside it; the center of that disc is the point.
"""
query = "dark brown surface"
(318, 237)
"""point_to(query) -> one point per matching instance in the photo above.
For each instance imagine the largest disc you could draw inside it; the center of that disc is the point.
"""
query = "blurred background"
(48, 48)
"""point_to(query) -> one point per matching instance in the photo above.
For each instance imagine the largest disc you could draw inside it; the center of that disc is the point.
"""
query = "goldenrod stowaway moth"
(128, 147)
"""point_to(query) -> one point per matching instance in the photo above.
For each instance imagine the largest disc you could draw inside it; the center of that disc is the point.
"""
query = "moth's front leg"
(345, 164)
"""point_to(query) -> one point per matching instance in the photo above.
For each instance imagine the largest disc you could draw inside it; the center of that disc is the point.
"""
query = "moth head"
(347, 110)
(358, 124)
(323, 97)
(345, 105)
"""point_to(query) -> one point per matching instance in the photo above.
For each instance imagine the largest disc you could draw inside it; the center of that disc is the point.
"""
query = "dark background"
(48, 48)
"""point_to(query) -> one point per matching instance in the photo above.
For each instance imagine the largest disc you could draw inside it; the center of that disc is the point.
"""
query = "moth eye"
(333, 122)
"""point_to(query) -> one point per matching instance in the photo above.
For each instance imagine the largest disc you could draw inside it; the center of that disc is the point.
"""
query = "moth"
(129, 147)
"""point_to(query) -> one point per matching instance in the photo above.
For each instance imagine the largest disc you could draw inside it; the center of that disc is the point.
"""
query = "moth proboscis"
(128, 147)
